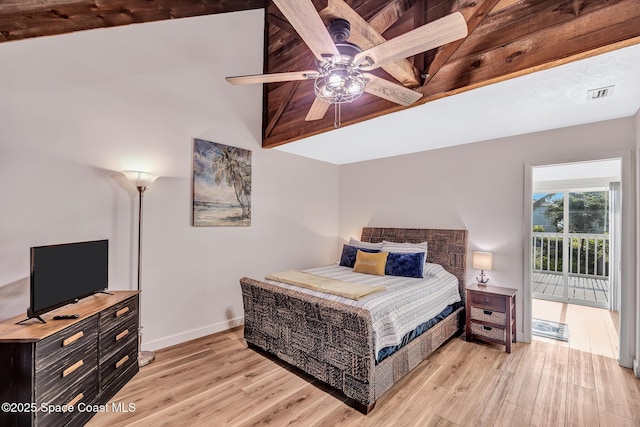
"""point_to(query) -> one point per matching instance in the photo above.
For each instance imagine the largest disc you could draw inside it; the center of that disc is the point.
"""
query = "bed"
(333, 341)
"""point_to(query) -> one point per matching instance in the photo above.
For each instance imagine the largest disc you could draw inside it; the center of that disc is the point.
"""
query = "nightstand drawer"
(489, 301)
(490, 316)
(489, 332)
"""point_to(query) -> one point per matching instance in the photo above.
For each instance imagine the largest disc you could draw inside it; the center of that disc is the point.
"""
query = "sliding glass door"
(570, 247)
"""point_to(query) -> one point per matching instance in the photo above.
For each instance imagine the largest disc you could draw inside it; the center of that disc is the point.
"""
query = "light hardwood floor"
(593, 330)
(218, 381)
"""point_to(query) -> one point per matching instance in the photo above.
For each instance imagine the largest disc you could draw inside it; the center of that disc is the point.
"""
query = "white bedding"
(404, 305)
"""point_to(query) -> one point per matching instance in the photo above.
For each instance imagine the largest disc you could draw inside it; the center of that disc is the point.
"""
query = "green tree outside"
(588, 214)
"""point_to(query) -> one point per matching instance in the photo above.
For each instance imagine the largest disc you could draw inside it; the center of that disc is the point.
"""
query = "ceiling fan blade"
(390, 91)
(367, 36)
(318, 110)
(303, 16)
(273, 78)
(434, 34)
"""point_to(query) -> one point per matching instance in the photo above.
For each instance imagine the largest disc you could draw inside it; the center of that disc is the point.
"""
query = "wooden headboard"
(446, 247)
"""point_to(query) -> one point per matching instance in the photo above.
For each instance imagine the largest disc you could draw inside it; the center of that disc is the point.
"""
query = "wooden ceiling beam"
(525, 37)
(605, 26)
(34, 18)
(474, 13)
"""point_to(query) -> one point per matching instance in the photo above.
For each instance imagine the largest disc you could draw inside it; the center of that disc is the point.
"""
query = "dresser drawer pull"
(487, 328)
(122, 361)
(486, 301)
(487, 312)
(122, 334)
(73, 338)
(72, 368)
(122, 311)
(75, 400)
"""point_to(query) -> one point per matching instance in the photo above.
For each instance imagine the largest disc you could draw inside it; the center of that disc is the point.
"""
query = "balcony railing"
(588, 254)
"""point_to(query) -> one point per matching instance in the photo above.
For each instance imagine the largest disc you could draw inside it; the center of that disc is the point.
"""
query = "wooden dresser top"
(33, 330)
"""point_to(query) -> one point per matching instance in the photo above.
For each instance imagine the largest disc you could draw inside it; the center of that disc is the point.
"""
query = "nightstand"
(491, 314)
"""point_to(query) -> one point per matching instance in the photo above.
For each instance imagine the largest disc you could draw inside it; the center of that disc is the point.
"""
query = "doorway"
(573, 244)
(575, 233)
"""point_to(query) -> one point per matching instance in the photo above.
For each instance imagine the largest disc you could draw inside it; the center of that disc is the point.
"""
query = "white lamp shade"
(482, 260)
(140, 179)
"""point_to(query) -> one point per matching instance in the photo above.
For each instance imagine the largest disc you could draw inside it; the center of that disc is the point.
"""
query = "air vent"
(603, 92)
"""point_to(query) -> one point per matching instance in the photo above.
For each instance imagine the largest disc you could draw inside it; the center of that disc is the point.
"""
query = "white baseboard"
(191, 334)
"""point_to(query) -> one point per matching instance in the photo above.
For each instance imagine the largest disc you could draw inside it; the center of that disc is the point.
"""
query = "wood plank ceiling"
(507, 38)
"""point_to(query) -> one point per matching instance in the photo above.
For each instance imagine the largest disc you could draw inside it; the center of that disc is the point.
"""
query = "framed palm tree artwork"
(221, 185)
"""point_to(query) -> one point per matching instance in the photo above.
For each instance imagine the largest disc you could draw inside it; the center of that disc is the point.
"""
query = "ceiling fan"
(342, 73)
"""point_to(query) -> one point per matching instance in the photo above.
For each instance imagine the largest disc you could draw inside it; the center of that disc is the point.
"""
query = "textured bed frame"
(333, 342)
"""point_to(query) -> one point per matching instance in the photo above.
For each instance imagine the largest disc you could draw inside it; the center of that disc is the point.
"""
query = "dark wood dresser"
(59, 373)
(491, 314)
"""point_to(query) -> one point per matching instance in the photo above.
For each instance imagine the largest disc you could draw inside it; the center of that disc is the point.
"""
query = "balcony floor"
(594, 291)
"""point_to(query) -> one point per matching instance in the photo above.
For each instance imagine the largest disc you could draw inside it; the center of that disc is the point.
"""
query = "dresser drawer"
(59, 345)
(54, 379)
(490, 316)
(84, 391)
(498, 334)
(119, 314)
(119, 362)
(115, 338)
(489, 301)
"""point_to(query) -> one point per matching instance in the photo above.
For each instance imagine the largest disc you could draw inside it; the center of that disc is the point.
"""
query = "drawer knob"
(122, 361)
(122, 334)
(487, 328)
(72, 368)
(122, 311)
(73, 338)
(487, 312)
(486, 300)
(75, 400)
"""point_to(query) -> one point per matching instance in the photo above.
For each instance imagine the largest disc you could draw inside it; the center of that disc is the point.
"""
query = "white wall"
(190, 275)
(47, 201)
(79, 107)
(478, 187)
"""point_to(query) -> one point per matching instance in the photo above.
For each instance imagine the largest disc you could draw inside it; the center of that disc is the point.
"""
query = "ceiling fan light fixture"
(340, 85)
(337, 78)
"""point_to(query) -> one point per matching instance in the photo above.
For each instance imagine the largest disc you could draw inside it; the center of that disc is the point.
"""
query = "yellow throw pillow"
(370, 263)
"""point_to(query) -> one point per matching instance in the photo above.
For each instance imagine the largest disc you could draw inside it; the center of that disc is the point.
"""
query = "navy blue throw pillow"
(407, 265)
(348, 258)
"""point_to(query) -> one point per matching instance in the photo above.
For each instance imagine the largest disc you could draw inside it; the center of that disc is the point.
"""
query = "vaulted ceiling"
(507, 38)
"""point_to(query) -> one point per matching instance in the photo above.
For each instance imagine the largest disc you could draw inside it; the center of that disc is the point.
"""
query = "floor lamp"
(142, 181)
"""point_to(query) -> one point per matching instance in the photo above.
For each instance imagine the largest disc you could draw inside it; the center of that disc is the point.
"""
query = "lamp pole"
(144, 357)
(142, 180)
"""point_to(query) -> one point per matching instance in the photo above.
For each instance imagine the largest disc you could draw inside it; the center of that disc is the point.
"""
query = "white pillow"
(364, 245)
(432, 270)
(405, 248)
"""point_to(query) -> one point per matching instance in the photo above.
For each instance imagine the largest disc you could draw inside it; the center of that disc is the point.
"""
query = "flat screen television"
(62, 274)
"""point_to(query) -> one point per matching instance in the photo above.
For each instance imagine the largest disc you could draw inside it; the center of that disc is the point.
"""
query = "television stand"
(79, 362)
(31, 317)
